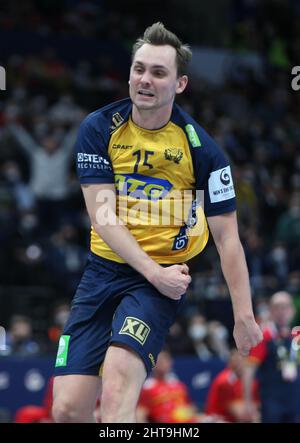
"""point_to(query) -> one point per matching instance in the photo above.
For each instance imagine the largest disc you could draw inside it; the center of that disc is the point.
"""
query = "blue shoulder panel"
(92, 159)
(211, 166)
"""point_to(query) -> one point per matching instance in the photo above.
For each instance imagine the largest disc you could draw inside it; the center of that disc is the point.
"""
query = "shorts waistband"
(110, 263)
(116, 265)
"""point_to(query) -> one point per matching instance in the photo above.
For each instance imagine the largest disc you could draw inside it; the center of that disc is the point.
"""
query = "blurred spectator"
(288, 226)
(278, 364)
(197, 331)
(278, 262)
(22, 194)
(226, 397)
(218, 339)
(207, 339)
(246, 196)
(165, 399)
(263, 314)
(66, 258)
(20, 340)
(178, 342)
(49, 164)
(37, 414)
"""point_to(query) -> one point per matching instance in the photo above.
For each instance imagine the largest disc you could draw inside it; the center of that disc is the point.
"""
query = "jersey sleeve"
(213, 176)
(92, 160)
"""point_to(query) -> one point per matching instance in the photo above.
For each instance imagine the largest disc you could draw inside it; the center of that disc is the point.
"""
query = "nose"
(146, 78)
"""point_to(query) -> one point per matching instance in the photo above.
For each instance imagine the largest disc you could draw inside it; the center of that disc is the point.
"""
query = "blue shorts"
(113, 304)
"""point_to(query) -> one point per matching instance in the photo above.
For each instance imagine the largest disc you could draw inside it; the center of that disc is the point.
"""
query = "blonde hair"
(158, 35)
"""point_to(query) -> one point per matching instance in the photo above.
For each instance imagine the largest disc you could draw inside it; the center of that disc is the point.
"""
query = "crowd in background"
(44, 227)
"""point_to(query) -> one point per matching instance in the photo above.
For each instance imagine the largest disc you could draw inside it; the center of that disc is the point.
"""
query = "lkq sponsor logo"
(295, 83)
(92, 161)
(2, 79)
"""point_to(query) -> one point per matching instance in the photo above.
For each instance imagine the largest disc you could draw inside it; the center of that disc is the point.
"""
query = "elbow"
(230, 245)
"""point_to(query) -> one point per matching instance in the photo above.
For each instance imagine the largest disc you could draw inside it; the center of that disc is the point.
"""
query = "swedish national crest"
(173, 154)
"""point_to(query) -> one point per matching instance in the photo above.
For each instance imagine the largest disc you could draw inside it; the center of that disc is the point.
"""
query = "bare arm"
(26, 142)
(224, 230)
(101, 206)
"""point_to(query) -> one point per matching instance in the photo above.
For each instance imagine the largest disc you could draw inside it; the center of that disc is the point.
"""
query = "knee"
(64, 412)
(118, 399)
(114, 391)
(113, 385)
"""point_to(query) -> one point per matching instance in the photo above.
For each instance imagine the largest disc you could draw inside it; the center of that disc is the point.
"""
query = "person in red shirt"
(37, 414)
(164, 398)
(225, 397)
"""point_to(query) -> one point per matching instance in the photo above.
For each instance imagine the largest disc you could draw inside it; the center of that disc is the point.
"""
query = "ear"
(182, 81)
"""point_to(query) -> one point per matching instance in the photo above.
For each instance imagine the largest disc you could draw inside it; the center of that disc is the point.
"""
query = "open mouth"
(146, 93)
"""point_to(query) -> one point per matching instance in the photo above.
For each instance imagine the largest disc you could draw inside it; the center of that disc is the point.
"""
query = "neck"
(151, 118)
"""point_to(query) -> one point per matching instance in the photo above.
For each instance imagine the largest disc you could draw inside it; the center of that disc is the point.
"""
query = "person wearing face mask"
(197, 332)
(218, 339)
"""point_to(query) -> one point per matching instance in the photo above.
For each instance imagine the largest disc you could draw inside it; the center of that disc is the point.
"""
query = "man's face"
(153, 77)
(282, 312)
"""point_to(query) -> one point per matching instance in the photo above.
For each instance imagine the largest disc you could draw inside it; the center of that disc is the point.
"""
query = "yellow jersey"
(167, 180)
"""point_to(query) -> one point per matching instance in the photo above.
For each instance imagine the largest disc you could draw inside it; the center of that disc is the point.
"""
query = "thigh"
(81, 391)
(142, 321)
